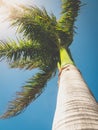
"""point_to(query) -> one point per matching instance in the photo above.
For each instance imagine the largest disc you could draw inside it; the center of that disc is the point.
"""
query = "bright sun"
(6, 8)
(13, 2)
(7, 5)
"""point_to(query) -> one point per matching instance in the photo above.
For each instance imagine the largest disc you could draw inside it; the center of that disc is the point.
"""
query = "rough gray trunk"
(76, 107)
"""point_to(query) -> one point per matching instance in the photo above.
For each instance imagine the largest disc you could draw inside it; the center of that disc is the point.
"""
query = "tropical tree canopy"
(39, 47)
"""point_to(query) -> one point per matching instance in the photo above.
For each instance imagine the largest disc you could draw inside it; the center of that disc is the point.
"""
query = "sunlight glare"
(5, 9)
(7, 6)
(13, 2)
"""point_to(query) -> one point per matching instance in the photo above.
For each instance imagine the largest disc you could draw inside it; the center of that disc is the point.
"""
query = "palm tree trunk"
(76, 107)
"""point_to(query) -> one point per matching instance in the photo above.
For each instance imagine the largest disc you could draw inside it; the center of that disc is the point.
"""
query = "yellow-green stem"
(64, 58)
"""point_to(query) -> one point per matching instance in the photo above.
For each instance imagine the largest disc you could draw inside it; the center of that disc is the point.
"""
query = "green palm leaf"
(70, 9)
(26, 50)
(29, 93)
(23, 49)
(25, 64)
(36, 23)
(69, 13)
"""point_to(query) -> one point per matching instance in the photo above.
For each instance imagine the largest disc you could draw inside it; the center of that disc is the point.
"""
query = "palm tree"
(45, 45)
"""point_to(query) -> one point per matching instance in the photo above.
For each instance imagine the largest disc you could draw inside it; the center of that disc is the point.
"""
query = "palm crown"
(43, 36)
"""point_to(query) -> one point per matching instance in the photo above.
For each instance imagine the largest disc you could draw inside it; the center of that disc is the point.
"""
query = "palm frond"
(70, 9)
(28, 64)
(13, 50)
(36, 24)
(29, 93)
(29, 51)
(69, 13)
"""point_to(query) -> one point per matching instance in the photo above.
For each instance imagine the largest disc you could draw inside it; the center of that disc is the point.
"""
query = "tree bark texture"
(76, 107)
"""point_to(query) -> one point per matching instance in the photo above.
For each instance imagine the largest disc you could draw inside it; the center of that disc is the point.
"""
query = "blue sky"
(39, 115)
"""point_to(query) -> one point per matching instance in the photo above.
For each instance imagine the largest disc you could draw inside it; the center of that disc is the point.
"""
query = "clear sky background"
(39, 115)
